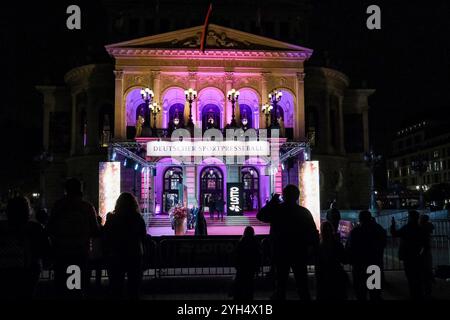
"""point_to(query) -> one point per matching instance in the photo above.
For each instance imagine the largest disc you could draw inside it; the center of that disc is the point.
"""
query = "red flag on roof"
(205, 28)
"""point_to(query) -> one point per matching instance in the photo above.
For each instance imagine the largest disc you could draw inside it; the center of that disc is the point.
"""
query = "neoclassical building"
(100, 115)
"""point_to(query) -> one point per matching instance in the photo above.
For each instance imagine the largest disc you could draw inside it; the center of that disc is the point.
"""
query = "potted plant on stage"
(178, 217)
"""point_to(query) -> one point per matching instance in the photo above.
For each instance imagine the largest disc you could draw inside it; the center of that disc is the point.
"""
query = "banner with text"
(207, 148)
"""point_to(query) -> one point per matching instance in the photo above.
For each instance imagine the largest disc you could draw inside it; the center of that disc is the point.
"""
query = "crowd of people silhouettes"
(73, 234)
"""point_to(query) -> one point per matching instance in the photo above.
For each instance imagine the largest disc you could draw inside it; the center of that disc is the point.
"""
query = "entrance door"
(173, 182)
(250, 181)
(211, 188)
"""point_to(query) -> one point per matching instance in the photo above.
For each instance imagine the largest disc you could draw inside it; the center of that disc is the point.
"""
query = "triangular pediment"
(217, 37)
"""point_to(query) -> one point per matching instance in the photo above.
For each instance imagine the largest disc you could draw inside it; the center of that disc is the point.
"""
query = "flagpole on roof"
(205, 28)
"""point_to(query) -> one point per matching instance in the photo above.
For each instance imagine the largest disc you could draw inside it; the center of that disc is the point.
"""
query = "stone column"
(264, 99)
(74, 128)
(190, 181)
(157, 98)
(340, 115)
(93, 123)
(324, 124)
(299, 110)
(227, 113)
(119, 114)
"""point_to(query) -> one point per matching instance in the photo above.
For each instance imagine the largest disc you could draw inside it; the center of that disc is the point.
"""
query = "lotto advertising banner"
(235, 199)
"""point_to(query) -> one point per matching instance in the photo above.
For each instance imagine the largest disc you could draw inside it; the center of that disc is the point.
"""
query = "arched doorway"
(211, 185)
(250, 182)
(172, 188)
(210, 117)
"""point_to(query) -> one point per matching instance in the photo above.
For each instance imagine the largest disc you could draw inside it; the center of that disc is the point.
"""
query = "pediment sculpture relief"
(213, 40)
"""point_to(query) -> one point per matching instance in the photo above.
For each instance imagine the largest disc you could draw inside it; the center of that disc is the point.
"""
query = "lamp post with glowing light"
(267, 109)
(154, 110)
(372, 160)
(419, 165)
(274, 98)
(191, 95)
(233, 97)
(147, 95)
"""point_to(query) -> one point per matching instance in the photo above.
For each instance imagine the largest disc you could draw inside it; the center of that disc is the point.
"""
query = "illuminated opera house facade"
(158, 84)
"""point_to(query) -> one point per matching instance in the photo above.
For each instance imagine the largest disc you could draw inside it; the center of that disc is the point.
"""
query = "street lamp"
(419, 165)
(147, 95)
(267, 109)
(233, 97)
(154, 109)
(372, 160)
(191, 95)
(274, 98)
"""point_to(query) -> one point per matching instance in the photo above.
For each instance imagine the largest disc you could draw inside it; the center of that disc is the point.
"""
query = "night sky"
(407, 62)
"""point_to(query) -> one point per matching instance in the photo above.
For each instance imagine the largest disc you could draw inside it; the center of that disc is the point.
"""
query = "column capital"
(229, 76)
(300, 76)
(118, 74)
(265, 76)
(156, 75)
(192, 75)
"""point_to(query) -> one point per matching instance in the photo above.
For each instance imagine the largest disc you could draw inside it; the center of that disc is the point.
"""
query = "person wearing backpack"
(71, 226)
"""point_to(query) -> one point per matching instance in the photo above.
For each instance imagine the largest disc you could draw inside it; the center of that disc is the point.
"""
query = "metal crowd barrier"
(214, 256)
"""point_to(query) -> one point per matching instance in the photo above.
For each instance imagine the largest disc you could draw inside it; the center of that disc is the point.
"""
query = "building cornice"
(208, 54)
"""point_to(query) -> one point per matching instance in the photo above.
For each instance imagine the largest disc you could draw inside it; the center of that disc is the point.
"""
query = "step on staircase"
(228, 221)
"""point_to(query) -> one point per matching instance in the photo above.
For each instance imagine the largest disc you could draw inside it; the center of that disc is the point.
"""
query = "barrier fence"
(187, 256)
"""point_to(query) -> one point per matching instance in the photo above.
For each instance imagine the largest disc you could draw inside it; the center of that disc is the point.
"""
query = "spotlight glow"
(310, 189)
(109, 187)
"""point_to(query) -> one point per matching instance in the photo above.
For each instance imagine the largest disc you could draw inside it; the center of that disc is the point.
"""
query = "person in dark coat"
(72, 225)
(365, 247)
(218, 206)
(212, 206)
(293, 233)
(411, 252)
(201, 228)
(248, 260)
(125, 233)
(330, 275)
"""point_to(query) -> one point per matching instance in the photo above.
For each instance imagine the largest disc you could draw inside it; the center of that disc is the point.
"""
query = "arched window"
(210, 117)
(106, 124)
(176, 116)
(143, 111)
(312, 128)
(246, 115)
(173, 187)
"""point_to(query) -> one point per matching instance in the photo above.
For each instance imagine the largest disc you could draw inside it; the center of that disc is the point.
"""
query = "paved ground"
(218, 288)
